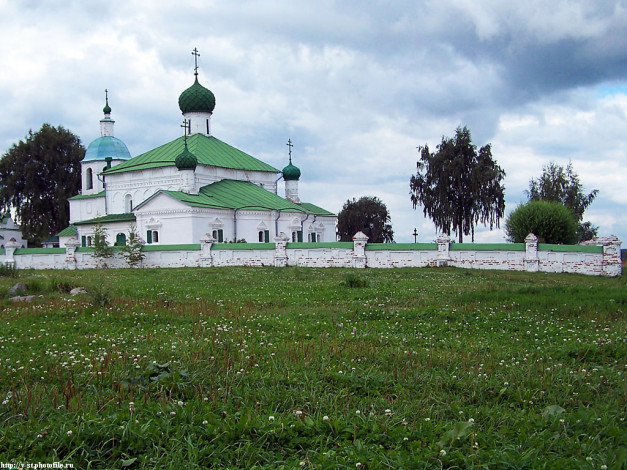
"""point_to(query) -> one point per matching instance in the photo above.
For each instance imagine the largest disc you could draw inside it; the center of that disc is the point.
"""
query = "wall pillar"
(9, 250)
(443, 256)
(532, 264)
(612, 263)
(70, 250)
(280, 250)
(206, 242)
(359, 250)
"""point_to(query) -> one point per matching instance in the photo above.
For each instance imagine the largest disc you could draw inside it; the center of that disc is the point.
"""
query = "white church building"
(189, 188)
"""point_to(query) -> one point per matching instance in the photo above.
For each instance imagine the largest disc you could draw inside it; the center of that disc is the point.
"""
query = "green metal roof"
(68, 232)
(108, 219)
(231, 194)
(208, 151)
(315, 210)
(88, 196)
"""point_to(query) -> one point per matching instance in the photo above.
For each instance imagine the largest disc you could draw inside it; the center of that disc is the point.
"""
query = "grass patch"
(295, 368)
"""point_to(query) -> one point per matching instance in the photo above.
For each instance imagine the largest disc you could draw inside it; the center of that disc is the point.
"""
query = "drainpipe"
(276, 224)
(235, 225)
(276, 186)
(302, 226)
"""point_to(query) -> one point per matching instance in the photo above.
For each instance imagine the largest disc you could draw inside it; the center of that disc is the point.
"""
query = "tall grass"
(292, 368)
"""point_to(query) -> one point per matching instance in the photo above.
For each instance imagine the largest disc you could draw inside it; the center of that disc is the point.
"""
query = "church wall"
(85, 209)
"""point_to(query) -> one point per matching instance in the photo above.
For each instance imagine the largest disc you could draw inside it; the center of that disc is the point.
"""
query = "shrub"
(7, 270)
(551, 222)
(132, 251)
(354, 282)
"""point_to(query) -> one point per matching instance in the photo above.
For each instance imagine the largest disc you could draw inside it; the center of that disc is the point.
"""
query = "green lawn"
(314, 368)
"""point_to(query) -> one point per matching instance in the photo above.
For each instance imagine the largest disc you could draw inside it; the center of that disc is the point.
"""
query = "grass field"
(314, 368)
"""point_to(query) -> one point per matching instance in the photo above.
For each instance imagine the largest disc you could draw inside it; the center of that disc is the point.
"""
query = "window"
(83, 240)
(218, 235)
(152, 236)
(89, 241)
(294, 236)
(89, 183)
(264, 236)
(312, 237)
(207, 126)
(128, 203)
(189, 127)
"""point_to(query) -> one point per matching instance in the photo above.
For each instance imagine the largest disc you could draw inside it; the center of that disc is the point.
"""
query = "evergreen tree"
(559, 184)
(102, 249)
(37, 176)
(132, 251)
(459, 187)
(368, 215)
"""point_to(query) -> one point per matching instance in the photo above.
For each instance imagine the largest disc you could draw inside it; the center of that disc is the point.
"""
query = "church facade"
(193, 187)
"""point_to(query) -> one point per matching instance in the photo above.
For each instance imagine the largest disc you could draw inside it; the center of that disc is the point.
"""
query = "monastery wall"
(600, 257)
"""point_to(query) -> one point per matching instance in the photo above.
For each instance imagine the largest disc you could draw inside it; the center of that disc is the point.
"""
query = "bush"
(551, 222)
(354, 282)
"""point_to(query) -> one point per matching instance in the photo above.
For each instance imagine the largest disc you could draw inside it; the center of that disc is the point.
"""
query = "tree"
(102, 249)
(459, 187)
(368, 215)
(132, 251)
(550, 221)
(562, 185)
(37, 176)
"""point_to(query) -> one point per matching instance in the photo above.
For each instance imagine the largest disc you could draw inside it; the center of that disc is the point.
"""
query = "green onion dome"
(107, 108)
(186, 160)
(291, 172)
(197, 98)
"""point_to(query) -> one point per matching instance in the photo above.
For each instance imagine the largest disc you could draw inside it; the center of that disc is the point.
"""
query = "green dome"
(291, 172)
(197, 98)
(186, 160)
(107, 108)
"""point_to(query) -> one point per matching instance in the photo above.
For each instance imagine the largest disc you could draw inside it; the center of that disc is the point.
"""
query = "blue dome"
(104, 147)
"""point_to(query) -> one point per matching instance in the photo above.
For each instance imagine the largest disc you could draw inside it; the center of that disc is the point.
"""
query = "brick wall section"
(599, 257)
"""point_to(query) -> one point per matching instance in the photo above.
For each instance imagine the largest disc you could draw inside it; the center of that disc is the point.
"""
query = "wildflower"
(388, 412)
(427, 419)
(357, 412)
(442, 453)
(325, 418)
(270, 418)
(358, 465)
(205, 422)
(69, 434)
(39, 436)
(172, 413)
(180, 403)
(471, 420)
(298, 412)
(302, 463)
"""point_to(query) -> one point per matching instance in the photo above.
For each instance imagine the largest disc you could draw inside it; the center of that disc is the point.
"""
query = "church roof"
(88, 196)
(208, 151)
(232, 194)
(107, 146)
(107, 219)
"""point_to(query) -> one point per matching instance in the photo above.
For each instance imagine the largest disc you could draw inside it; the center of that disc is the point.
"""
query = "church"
(189, 188)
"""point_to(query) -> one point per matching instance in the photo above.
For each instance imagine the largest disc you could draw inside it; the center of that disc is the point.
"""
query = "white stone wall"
(280, 253)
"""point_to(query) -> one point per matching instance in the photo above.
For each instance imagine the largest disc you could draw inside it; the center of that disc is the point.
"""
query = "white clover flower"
(357, 412)
(172, 413)
(205, 422)
(471, 420)
(427, 419)
(325, 418)
(270, 418)
(442, 453)
(69, 434)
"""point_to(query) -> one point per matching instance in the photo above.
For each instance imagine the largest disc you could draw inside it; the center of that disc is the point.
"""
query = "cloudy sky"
(355, 85)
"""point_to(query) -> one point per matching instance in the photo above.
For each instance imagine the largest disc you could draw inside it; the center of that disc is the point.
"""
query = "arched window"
(120, 239)
(89, 183)
(128, 203)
